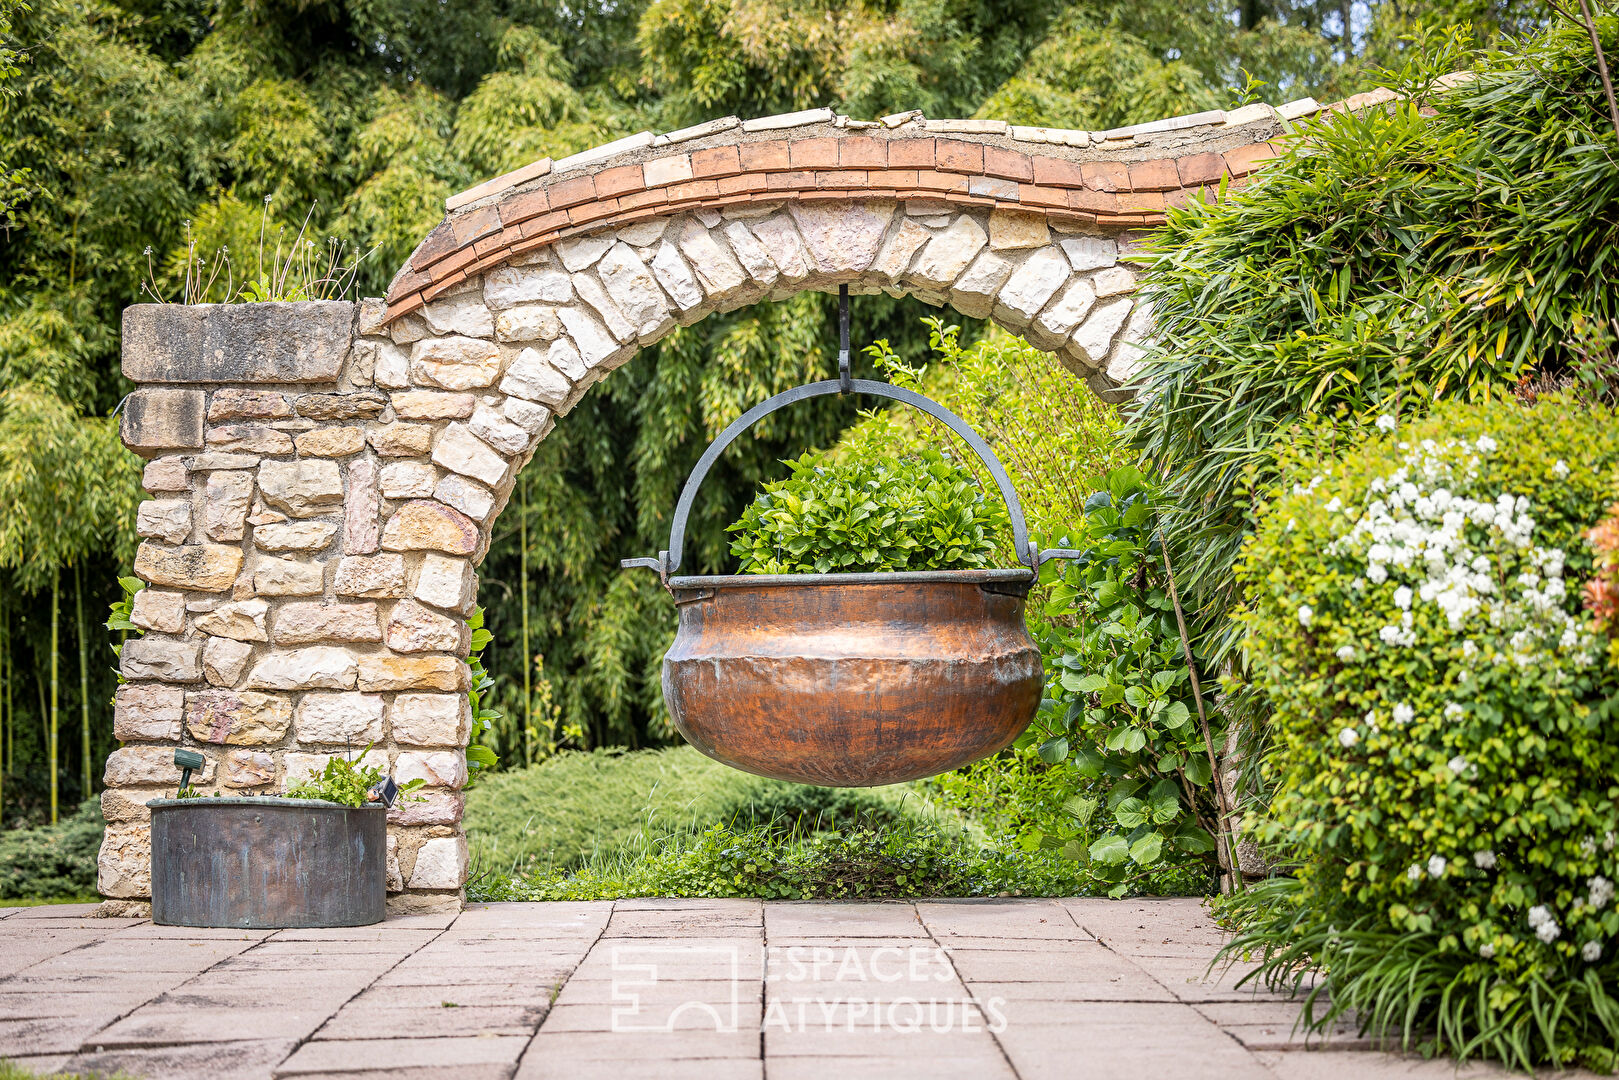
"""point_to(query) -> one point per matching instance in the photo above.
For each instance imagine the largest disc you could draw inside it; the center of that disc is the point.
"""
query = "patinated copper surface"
(265, 863)
(852, 680)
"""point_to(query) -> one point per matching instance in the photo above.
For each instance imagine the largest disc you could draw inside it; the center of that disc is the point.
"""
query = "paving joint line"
(971, 994)
(306, 1039)
(556, 991)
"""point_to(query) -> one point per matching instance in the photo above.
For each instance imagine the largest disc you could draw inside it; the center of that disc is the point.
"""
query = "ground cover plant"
(1446, 726)
(56, 862)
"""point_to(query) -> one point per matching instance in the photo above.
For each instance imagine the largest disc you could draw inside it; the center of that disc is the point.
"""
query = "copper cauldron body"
(852, 680)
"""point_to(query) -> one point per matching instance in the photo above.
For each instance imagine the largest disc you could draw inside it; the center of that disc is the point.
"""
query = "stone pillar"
(283, 623)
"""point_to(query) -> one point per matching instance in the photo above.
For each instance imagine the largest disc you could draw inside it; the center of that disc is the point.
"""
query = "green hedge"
(52, 861)
(1446, 732)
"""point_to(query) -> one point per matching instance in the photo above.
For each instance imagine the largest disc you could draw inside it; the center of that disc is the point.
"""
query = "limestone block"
(643, 234)
(407, 479)
(1066, 311)
(247, 769)
(129, 804)
(530, 417)
(490, 425)
(531, 322)
(361, 405)
(301, 767)
(455, 363)
(444, 768)
(531, 377)
(446, 583)
(434, 806)
(400, 440)
(385, 673)
(463, 314)
(165, 474)
(430, 719)
(168, 520)
(347, 719)
(318, 667)
(235, 403)
(716, 268)
(392, 369)
(224, 660)
(376, 576)
(210, 461)
(1113, 281)
(842, 237)
(591, 291)
(340, 441)
(597, 347)
(1094, 338)
(949, 253)
(237, 718)
(751, 254)
(303, 488)
(302, 623)
(362, 510)
(156, 419)
(166, 659)
(1031, 286)
(426, 525)
(294, 535)
(676, 277)
(509, 286)
(248, 439)
(196, 567)
(153, 766)
(148, 712)
(287, 577)
(632, 287)
(974, 292)
(895, 257)
(154, 609)
(240, 619)
(582, 252)
(564, 356)
(459, 450)
(124, 864)
(396, 880)
(1090, 252)
(440, 864)
(433, 405)
(413, 628)
(1014, 230)
(780, 239)
(408, 328)
(468, 496)
(226, 499)
(1124, 363)
(297, 342)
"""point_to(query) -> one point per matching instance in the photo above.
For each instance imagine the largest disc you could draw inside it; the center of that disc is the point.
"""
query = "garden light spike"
(187, 760)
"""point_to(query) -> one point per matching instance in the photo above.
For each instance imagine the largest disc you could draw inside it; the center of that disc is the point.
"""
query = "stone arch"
(325, 476)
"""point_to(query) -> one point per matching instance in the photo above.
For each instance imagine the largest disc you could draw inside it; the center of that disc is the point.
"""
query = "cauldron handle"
(1029, 554)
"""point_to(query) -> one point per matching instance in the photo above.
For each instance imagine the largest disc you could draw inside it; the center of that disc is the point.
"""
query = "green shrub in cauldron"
(882, 514)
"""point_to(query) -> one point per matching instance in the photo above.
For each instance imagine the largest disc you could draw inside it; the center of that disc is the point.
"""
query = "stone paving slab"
(998, 989)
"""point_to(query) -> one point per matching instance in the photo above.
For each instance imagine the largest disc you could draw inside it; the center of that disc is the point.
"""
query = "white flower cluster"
(1473, 559)
(1542, 923)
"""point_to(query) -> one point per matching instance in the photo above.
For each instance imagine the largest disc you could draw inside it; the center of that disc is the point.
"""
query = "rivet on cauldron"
(852, 680)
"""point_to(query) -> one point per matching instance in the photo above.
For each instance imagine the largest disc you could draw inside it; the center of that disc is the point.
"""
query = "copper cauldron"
(852, 680)
(848, 680)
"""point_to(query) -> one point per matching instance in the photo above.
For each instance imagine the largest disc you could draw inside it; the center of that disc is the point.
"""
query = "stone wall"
(324, 477)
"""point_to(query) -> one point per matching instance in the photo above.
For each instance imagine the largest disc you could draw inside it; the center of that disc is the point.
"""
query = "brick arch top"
(1105, 180)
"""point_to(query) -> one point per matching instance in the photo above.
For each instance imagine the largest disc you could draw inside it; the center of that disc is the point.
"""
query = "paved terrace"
(1066, 988)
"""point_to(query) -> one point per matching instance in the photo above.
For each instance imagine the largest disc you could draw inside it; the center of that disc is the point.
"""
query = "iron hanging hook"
(845, 378)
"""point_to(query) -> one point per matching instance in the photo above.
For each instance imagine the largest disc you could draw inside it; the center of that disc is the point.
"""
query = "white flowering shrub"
(1446, 746)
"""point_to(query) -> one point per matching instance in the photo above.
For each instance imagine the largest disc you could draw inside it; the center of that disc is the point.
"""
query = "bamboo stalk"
(84, 683)
(56, 656)
(528, 659)
(1224, 805)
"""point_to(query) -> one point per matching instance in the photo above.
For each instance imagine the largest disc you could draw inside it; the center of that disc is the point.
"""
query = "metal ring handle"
(668, 562)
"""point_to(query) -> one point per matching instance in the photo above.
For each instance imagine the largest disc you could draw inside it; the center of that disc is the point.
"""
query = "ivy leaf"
(1197, 769)
(1081, 807)
(1175, 716)
(1053, 751)
(1164, 801)
(1146, 850)
(1194, 839)
(1131, 813)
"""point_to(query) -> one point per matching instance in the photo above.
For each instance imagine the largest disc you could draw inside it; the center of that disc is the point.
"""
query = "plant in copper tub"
(870, 639)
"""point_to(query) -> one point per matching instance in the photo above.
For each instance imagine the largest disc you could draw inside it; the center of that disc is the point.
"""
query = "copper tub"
(852, 680)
